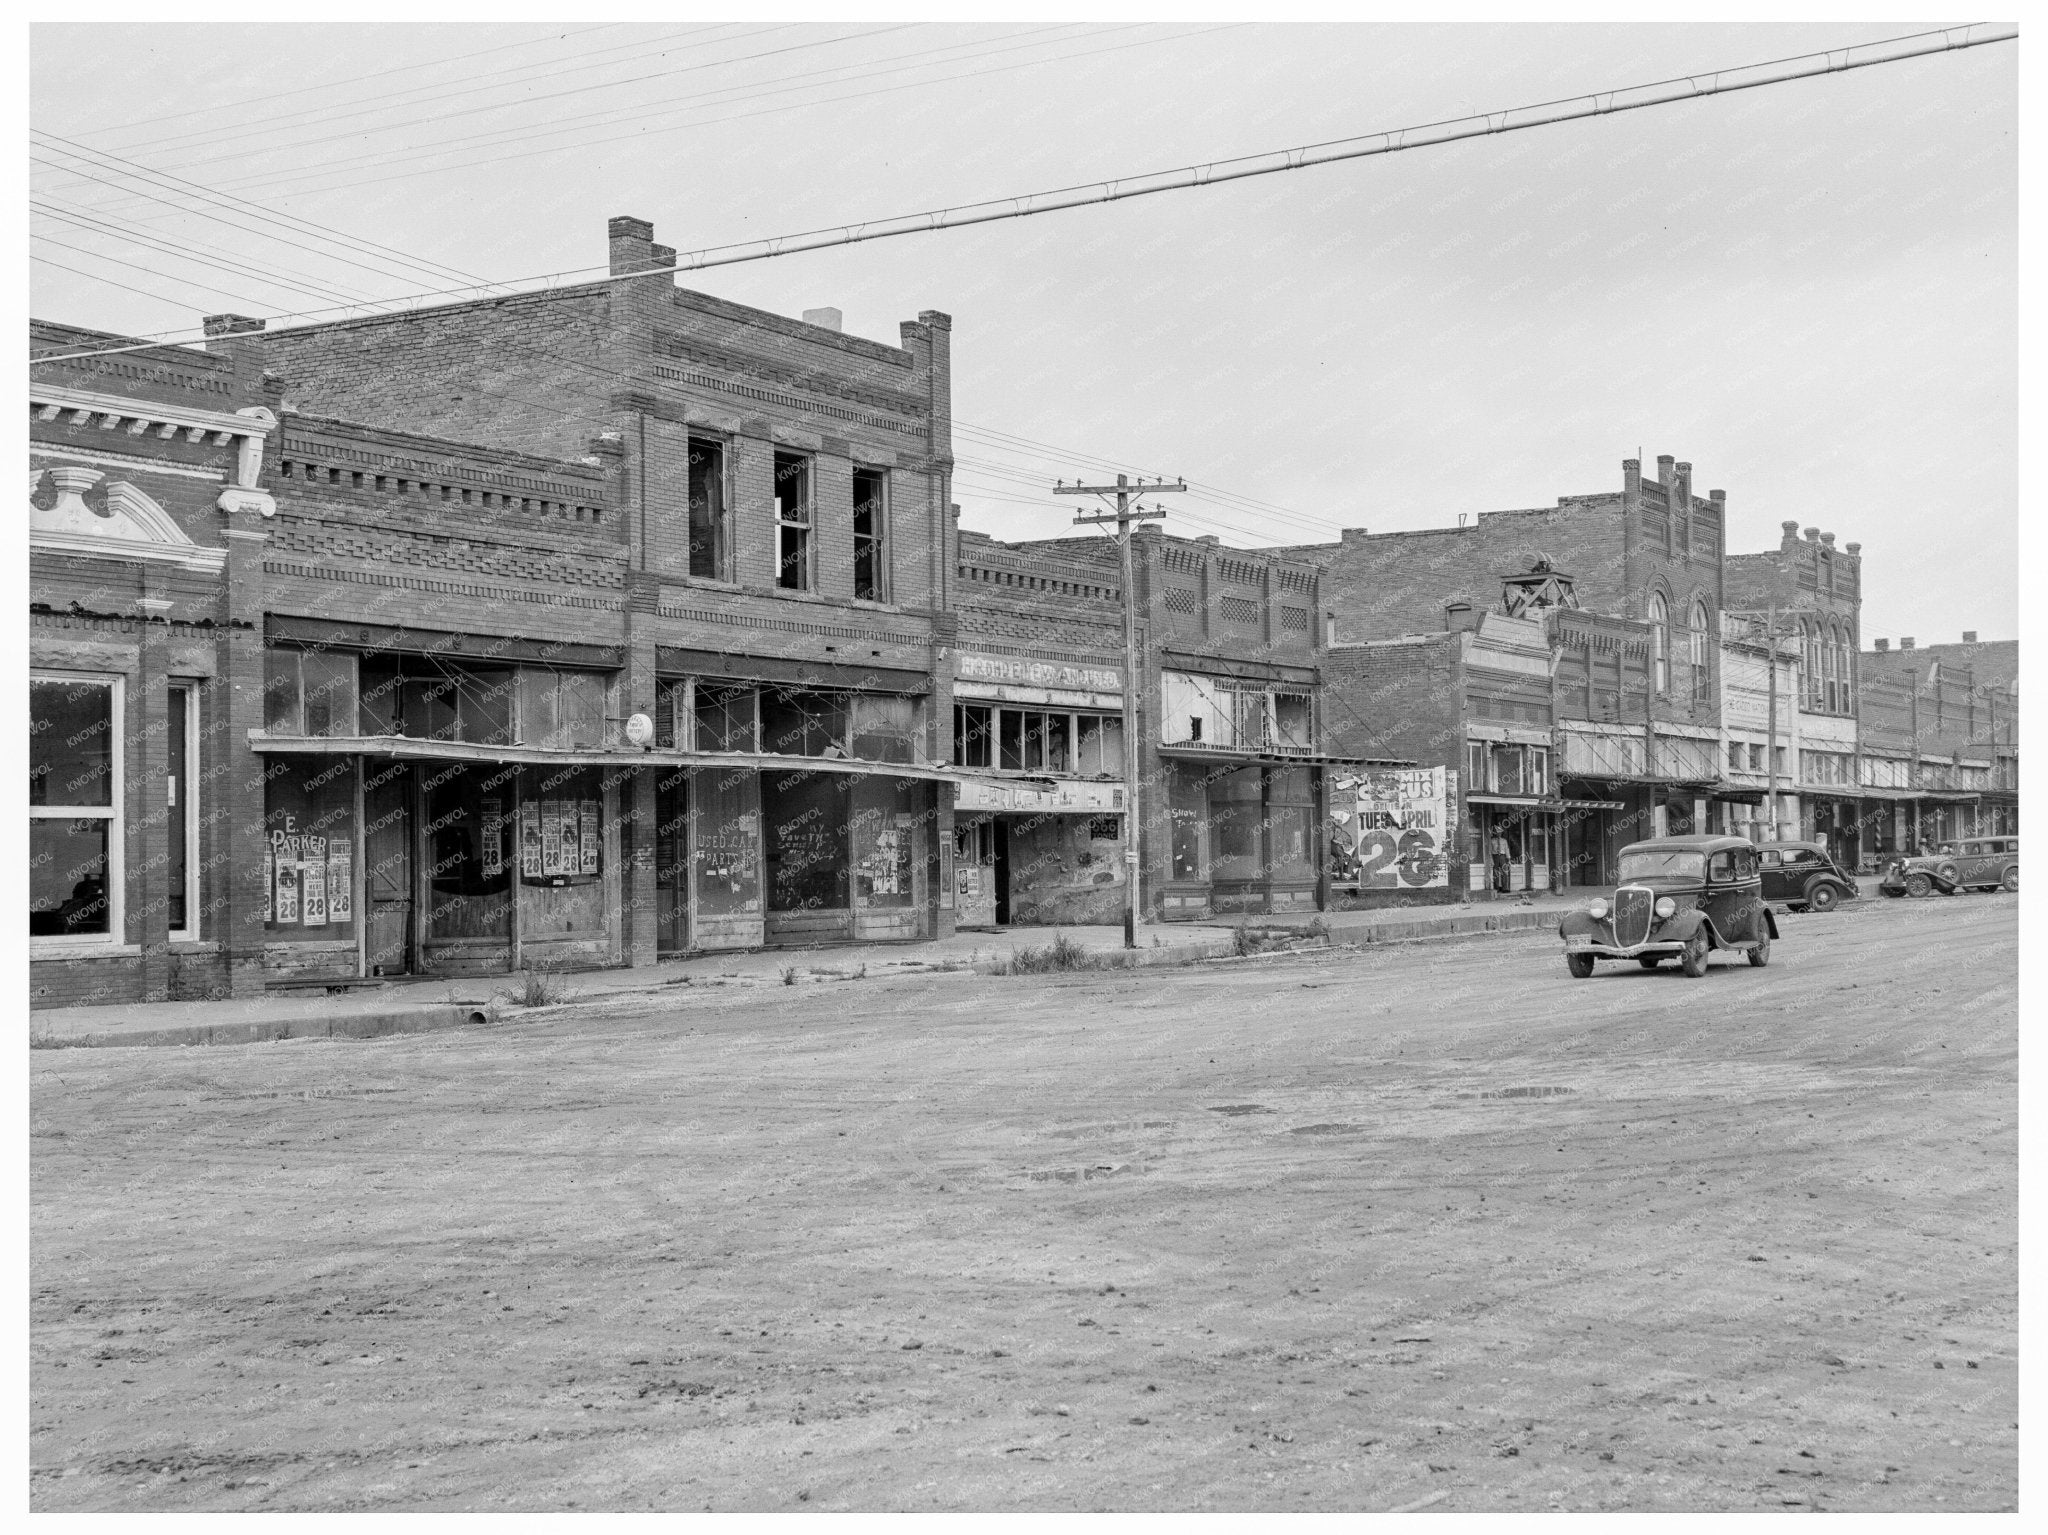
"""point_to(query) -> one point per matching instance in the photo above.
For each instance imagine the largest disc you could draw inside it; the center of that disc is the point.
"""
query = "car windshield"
(1663, 863)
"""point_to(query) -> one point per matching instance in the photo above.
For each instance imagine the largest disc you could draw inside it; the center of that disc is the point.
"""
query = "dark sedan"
(1803, 876)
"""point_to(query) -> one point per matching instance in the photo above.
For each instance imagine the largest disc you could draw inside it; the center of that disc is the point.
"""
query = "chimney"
(1664, 476)
(1460, 615)
(825, 319)
(1684, 499)
(633, 248)
(229, 325)
(1883, 646)
(1791, 535)
(1905, 642)
(1969, 636)
(1353, 535)
(1208, 538)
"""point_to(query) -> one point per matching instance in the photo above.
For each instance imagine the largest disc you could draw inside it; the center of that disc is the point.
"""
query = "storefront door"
(1002, 871)
(387, 873)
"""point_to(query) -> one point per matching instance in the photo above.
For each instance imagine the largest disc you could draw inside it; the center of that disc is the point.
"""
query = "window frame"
(1660, 641)
(801, 522)
(882, 590)
(720, 520)
(114, 812)
(188, 787)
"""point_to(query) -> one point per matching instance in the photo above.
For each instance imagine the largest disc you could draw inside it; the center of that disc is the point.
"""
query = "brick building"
(1637, 725)
(1037, 686)
(147, 501)
(1812, 593)
(1229, 700)
(503, 530)
(1940, 742)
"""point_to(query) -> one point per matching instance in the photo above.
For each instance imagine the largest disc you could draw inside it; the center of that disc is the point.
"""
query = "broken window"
(792, 522)
(799, 722)
(870, 535)
(725, 717)
(707, 508)
(974, 734)
(1293, 721)
(1100, 748)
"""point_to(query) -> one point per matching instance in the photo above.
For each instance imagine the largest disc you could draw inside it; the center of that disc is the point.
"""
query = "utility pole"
(1124, 517)
(1773, 634)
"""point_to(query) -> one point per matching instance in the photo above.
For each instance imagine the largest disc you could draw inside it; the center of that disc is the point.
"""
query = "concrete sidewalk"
(414, 1006)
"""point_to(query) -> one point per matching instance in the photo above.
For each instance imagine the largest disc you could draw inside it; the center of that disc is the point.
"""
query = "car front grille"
(1632, 905)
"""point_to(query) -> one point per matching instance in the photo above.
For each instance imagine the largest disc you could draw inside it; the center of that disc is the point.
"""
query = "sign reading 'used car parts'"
(1390, 828)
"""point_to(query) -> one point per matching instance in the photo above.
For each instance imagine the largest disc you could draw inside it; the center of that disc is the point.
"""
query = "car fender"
(1770, 922)
(1577, 922)
(1684, 924)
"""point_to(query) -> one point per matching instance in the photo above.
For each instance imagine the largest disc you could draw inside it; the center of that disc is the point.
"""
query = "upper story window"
(309, 692)
(1061, 741)
(707, 509)
(871, 535)
(1660, 641)
(793, 552)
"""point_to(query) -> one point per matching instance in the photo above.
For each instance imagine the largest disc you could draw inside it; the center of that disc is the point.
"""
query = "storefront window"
(805, 817)
(974, 735)
(562, 709)
(725, 717)
(309, 692)
(1290, 823)
(1188, 806)
(74, 816)
(884, 727)
(885, 823)
(1236, 814)
(561, 853)
(725, 841)
(309, 824)
(1100, 752)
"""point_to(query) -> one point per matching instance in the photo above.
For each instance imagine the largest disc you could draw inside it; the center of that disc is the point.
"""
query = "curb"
(418, 1020)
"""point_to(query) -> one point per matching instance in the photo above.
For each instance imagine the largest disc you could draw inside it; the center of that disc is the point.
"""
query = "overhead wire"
(193, 252)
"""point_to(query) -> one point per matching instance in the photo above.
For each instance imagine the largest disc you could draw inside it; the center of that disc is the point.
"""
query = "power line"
(181, 251)
(1546, 114)
(640, 132)
(397, 69)
(560, 124)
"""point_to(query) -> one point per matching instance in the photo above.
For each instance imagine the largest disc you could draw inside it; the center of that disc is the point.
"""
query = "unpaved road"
(1334, 1233)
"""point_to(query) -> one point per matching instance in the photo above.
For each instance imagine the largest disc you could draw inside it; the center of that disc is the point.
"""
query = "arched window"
(1809, 666)
(1700, 621)
(1660, 640)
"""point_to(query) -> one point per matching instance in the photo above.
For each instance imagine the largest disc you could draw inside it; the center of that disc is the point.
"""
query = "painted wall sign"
(1390, 829)
(983, 795)
(978, 666)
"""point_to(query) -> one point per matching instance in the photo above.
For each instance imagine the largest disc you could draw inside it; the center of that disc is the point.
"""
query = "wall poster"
(1390, 828)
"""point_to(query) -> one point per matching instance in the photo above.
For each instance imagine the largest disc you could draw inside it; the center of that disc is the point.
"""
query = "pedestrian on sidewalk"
(1503, 855)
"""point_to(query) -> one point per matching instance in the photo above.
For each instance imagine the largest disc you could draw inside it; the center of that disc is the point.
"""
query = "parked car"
(1804, 876)
(1975, 863)
(1678, 897)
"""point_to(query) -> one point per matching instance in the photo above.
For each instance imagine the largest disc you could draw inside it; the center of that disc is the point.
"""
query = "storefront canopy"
(410, 747)
(1228, 755)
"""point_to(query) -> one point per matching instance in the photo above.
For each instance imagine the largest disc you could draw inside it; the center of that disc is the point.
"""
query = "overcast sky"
(1809, 291)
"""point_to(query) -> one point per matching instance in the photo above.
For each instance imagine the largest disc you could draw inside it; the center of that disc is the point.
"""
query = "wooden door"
(388, 867)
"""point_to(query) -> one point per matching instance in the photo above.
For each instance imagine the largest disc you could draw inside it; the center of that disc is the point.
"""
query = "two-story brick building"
(1939, 742)
(586, 625)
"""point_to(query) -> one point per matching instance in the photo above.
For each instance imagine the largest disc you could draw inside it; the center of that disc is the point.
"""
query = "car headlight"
(1666, 907)
(1597, 909)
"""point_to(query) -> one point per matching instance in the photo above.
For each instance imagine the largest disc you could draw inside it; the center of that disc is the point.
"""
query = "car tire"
(1918, 884)
(1692, 959)
(2012, 880)
(1580, 965)
(1649, 961)
(1760, 955)
(1946, 874)
(1821, 896)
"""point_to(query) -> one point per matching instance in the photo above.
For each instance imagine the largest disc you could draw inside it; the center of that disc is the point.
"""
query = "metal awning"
(412, 748)
(1738, 794)
(1227, 756)
(1592, 804)
(1517, 801)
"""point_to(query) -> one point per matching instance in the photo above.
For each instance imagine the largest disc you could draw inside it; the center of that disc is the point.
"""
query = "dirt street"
(1343, 1232)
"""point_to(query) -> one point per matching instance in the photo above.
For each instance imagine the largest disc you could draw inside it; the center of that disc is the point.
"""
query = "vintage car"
(1803, 876)
(1679, 897)
(1975, 863)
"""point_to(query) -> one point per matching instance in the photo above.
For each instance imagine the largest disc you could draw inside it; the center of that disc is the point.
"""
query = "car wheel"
(1761, 954)
(2012, 880)
(1890, 895)
(1918, 885)
(1692, 959)
(1822, 896)
(1580, 965)
(1649, 961)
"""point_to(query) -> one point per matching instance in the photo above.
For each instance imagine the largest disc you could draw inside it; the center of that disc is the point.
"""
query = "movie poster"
(592, 840)
(340, 880)
(529, 840)
(1389, 828)
(313, 882)
(551, 837)
(287, 888)
(491, 828)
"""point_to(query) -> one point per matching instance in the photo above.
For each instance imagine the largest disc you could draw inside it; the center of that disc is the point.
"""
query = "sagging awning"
(414, 749)
(1542, 802)
(1738, 794)
(1026, 794)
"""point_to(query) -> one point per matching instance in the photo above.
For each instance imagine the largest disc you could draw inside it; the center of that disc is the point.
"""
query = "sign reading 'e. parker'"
(978, 666)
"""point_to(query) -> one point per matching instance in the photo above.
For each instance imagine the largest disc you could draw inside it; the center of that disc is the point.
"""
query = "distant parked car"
(1679, 897)
(1975, 863)
(1804, 876)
